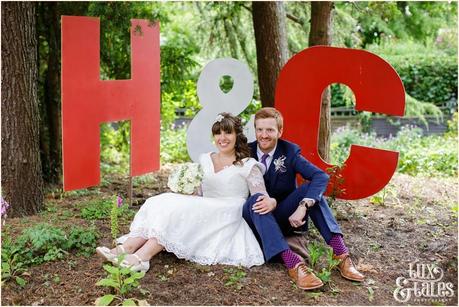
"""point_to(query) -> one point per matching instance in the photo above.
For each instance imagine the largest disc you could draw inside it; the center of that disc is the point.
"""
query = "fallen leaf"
(364, 267)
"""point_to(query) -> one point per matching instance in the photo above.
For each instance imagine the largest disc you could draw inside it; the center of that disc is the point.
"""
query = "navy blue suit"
(271, 228)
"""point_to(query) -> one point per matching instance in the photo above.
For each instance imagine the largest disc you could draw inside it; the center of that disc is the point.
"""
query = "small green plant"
(121, 281)
(102, 209)
(96, 209)
(116, 205)
(41, 243)
(379, 198)
(234, 277)
(316, 252)
(12, 266)
(336, 183)
(84, 240)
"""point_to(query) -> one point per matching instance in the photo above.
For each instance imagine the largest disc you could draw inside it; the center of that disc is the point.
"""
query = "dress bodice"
(230, 182)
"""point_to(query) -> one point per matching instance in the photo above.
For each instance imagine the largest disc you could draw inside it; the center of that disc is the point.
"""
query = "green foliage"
(234, 277)
(115, 32)
(42, 243)
(173, 145)
(114, 213)
(419, 109)
(336, 183)
(401, 20)
(101, 209)
(452, 126)
(341, 95)
(83, 240)
(431, 156)
(12, 266)
(316, 253)
(186, 99)
(121, 281)
(428, 74)
(342, 139)
(115, 140)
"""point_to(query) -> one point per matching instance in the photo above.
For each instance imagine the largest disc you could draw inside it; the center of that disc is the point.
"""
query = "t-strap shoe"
(106, 253)
(141, 266)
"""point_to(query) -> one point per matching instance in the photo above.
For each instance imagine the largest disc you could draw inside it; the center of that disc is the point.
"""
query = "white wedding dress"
(206, 229)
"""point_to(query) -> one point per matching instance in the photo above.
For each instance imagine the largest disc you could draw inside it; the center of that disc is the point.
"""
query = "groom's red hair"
(270, 113)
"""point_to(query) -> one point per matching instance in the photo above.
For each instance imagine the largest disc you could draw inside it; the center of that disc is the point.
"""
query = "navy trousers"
(270, 229)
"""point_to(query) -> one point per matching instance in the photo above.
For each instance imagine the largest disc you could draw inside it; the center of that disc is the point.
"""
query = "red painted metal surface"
(377, 88)
(88, 101)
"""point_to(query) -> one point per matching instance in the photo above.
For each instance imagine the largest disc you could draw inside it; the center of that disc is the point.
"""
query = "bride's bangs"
(225, 125)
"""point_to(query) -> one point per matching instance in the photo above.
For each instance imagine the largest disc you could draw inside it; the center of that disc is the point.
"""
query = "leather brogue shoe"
(347, 268)
(304, 278)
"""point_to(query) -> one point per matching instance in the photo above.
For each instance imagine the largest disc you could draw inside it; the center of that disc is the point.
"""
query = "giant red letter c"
(377, 88)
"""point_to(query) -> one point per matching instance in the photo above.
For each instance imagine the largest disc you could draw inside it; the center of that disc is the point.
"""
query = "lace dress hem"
(248, 261)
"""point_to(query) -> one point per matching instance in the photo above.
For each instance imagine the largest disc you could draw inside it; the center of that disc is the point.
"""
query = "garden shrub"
(428, 78)
(431, 156)
(428, 73)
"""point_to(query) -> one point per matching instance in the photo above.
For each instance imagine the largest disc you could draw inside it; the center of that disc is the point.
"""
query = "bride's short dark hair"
(228, 123)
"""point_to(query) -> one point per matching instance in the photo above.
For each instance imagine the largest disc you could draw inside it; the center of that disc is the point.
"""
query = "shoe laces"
(304, 269)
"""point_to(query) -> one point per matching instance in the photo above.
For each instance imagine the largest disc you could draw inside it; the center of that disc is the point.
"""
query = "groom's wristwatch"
(307, 203)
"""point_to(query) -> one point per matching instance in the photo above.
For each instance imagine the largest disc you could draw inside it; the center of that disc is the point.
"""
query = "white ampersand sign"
(215, 101)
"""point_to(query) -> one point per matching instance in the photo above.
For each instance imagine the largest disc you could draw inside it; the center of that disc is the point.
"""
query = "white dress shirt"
(268, 159)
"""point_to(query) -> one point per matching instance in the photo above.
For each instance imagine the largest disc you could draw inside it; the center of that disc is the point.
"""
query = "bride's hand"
(264, 204)
(197, 191)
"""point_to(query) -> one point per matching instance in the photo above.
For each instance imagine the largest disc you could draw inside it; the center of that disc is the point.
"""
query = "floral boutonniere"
(279, 164)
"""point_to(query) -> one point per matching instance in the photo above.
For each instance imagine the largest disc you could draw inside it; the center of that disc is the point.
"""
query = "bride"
(206, 229)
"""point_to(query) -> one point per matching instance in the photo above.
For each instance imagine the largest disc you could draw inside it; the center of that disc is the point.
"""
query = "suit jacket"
(281, 180)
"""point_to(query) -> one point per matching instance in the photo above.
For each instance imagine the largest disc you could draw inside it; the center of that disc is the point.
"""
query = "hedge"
(427, 78)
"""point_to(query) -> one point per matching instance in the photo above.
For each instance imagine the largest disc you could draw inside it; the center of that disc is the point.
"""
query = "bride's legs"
(130, 245)
(147, 251)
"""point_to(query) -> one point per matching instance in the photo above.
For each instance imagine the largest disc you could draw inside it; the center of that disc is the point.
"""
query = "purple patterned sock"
(337, 243)
(290, 258)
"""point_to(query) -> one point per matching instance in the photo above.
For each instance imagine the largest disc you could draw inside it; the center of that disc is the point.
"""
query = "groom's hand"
(296, 219)
(264, 204)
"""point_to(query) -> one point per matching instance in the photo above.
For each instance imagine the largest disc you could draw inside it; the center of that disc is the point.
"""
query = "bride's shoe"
(141, 266)
(106, 253)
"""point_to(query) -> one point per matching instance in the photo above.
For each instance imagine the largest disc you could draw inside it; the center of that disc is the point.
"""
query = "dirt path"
(417, 222)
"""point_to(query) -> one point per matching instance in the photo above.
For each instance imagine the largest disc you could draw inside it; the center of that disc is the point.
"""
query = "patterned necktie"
(263, 160)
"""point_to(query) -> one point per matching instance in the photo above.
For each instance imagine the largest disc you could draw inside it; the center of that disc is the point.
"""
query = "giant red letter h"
(88, 101)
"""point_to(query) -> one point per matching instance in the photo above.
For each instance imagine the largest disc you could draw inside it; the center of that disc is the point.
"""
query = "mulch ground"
(416, 222)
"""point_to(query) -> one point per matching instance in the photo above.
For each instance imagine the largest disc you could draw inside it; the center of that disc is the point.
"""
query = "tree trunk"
(22, 184)
(52, 93)
(320, 34)
(271, 44)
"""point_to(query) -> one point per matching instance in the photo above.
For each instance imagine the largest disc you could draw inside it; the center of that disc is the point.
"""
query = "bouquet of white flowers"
(185, 178)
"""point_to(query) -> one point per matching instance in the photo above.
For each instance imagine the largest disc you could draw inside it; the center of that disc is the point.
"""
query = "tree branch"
(289, 16)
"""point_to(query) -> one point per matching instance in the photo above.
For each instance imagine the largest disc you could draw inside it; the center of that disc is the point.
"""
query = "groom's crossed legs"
(271, 226)
(272, 241)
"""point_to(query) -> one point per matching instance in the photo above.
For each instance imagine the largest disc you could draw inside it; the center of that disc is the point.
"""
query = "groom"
(271, 220)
